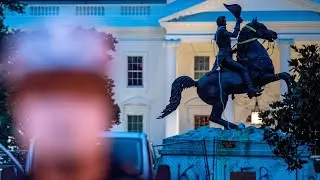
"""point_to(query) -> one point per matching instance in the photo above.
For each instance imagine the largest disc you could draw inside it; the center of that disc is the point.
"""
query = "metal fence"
(194, 168)
(5, 160)
(226, 160)
(214, 160)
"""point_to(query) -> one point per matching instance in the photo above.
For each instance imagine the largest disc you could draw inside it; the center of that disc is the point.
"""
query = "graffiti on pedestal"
(184, 175)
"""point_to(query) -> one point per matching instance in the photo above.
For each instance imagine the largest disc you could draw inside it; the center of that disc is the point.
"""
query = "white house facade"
(160, 40)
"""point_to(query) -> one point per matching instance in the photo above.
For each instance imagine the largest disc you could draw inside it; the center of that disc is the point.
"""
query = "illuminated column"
(172, 120)
(228, 113)
(285, 56)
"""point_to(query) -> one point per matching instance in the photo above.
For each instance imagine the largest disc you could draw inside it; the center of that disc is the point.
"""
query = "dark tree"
(6, 129)
(292, 124)
(7, 50)
(116, 110)
(109, 42)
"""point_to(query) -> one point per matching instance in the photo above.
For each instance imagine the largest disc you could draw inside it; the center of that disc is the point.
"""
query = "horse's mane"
(247, 30)
(251, 24)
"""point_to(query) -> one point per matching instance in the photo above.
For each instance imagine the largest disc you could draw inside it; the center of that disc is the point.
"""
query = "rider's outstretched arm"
(236, 31)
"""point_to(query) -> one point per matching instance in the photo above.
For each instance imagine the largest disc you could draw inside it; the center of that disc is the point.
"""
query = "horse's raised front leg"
(268, 78)
(217, 110)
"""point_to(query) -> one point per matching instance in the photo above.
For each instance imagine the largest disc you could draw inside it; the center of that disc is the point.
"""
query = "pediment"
(194, 101)
(313, 5)
(263, 16)
(136, 101)
(269, 5)
(181, 7)
(248, 6)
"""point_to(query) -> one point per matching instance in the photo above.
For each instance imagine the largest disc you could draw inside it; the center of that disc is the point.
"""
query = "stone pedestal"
(213, 153)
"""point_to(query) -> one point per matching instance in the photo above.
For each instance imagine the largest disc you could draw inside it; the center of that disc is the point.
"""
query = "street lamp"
(255, 119)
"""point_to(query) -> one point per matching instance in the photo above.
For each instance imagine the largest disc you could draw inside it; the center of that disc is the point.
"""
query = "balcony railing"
(47, 10)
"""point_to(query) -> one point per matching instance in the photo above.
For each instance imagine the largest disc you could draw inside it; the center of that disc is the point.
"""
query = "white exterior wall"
(144, 100)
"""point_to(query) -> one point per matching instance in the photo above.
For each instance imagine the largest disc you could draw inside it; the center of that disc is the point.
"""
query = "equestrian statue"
(252, 70)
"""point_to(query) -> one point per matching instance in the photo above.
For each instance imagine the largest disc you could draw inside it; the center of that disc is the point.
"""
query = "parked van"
(125, 147)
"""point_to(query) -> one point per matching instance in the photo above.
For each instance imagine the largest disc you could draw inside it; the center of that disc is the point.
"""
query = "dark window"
(201, 66)
(126, 153)
(201, 120)
(135, 71)
(135, 123)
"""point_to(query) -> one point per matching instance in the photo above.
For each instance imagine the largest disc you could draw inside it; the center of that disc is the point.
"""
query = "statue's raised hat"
(235, 9)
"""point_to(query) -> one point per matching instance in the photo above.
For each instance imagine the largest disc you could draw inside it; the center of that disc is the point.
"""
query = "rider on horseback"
(224, 58)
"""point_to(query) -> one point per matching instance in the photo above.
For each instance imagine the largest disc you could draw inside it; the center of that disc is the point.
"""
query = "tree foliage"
(291, 124)
(8, 47)
(6, 129)
(11, 5)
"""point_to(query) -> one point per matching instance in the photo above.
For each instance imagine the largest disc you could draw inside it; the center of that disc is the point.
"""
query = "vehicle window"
(126, 153)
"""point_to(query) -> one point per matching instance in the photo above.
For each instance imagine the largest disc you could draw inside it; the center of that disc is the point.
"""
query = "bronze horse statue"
(215, 87)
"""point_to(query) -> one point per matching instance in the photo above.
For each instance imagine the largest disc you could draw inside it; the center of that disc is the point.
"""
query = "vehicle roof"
(112, 134)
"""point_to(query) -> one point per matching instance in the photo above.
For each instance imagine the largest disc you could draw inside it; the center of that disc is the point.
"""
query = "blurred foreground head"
(58, 85)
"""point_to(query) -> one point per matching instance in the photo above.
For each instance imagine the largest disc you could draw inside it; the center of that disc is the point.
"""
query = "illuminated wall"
(191, 104)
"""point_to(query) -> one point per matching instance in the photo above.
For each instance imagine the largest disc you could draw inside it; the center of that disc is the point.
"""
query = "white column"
(285, 56)
(228, 113)
(172, 121)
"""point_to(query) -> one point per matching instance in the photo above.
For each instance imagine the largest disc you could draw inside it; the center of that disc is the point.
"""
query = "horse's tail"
(178, 85)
